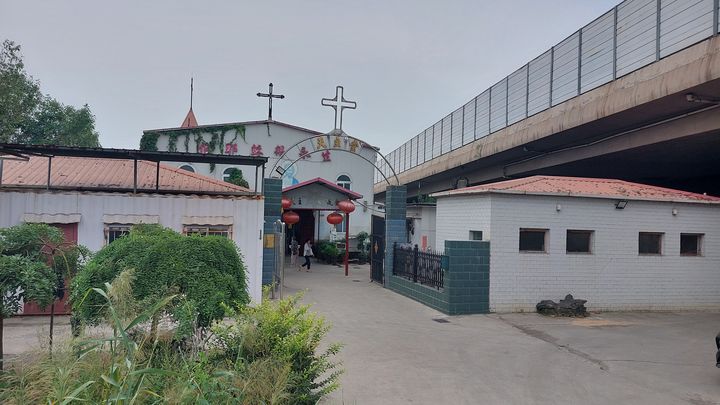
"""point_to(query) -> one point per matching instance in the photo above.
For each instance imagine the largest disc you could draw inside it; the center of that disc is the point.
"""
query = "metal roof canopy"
(132, 154)
(18, 151)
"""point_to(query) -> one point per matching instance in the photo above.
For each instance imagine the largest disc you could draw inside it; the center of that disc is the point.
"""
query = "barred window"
(208, 230)
(115, 231)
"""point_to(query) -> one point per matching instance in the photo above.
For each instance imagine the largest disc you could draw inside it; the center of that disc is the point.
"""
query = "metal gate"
(377, 248)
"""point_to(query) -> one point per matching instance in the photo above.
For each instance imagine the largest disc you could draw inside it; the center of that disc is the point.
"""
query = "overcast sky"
(406, 63)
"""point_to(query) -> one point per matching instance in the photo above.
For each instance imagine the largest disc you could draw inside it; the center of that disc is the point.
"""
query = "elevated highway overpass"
(657, 124)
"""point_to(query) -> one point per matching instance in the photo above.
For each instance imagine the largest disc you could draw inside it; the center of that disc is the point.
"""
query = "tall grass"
(264, 355)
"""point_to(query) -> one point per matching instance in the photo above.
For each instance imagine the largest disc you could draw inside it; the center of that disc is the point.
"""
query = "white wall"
(247, 214)
(359, 170)
(614, 276)
(424, 221)
(457, 216)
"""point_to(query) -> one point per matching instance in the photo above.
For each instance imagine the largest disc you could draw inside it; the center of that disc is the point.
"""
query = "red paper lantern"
(346, 206)
(290, 217)
(286, 203)
(334, 218)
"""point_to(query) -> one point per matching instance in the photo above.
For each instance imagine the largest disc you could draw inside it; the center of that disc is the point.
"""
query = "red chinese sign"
(326, 156)
(256, 150)
(231, 148)
(279, 150)
(203, 148)
(304, 154)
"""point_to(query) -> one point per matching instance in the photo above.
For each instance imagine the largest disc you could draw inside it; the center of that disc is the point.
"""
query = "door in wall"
(62, 307)
(306, 227)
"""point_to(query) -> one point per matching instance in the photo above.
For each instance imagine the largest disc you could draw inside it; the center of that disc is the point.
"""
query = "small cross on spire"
(270, 96)
(338, 101)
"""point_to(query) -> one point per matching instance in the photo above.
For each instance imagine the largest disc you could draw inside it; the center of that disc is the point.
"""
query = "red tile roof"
(327, 184)
(583, 187)
(95, 173)
(190, 121)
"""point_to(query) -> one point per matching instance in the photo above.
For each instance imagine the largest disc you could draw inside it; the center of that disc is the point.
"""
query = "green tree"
(236, 177)
(57, 124)
(28, 117)
(25, 274)
(19, 93)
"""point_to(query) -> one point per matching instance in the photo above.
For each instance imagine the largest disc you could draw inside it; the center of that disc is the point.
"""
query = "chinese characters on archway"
(319, 143)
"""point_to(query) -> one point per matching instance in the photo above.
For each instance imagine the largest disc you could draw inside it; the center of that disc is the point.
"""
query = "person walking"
(294, 252)
(307, 253)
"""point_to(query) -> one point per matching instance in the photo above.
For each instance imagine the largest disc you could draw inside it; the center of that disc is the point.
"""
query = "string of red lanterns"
(289, 217)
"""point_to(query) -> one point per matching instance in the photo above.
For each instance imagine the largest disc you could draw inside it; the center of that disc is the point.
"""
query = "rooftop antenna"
(191, 91)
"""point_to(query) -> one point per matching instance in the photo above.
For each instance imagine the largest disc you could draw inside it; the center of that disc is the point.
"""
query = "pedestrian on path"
(307, 253)
(294, 252)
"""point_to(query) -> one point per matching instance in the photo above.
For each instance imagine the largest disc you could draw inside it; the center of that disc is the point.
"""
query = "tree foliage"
(205, 271)
(29, 117)
(23, 279)
(27, 253)
(236, 178)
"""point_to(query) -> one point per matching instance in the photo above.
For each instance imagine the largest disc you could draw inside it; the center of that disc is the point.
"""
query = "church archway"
(335, 140)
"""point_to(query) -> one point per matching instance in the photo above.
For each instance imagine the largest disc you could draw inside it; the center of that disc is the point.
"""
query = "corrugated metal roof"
(583, 187)
(79, 172)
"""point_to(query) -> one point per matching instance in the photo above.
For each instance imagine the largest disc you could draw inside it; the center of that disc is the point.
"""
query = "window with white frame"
(476, 235)
(344, 181)
(533, 240)
(208, 230)
(650, 243)
(578, 241)
(691, 244)
(188, 168)
(115, 231)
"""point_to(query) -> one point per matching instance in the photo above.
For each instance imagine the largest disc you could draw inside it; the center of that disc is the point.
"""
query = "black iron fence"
(419, 266)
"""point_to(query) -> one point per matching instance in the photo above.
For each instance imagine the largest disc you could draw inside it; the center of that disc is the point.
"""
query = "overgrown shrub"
(267, 356)
(205, 271)
(286, 332)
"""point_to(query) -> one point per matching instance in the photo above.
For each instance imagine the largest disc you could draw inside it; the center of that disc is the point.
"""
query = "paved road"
(396, 353)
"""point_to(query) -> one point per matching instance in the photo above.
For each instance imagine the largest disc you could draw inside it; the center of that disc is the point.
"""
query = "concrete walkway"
(397, 353)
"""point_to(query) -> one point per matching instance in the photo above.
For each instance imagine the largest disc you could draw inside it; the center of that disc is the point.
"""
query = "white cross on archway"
(338, 101)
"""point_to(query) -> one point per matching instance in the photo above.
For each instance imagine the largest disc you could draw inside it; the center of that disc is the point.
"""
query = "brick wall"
(614, 276)
(272, 189)
(466, 281)
(395, 227)
(457, 216)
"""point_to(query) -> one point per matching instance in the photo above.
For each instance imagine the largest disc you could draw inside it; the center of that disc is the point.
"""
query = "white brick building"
(620, 245)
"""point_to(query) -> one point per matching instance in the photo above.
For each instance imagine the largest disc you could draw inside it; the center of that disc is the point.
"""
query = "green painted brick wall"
(467, 278)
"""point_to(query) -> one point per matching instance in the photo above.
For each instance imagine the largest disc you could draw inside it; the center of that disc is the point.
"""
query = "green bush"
(205, 271)
(327, 251)
(267, 356)
(287, 333)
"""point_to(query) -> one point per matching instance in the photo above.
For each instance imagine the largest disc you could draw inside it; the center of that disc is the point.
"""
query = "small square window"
(532, 240)
(691, 244)
(476, 235)
(579, 241)
(115, 231)
(208, 230)
(650, 243)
